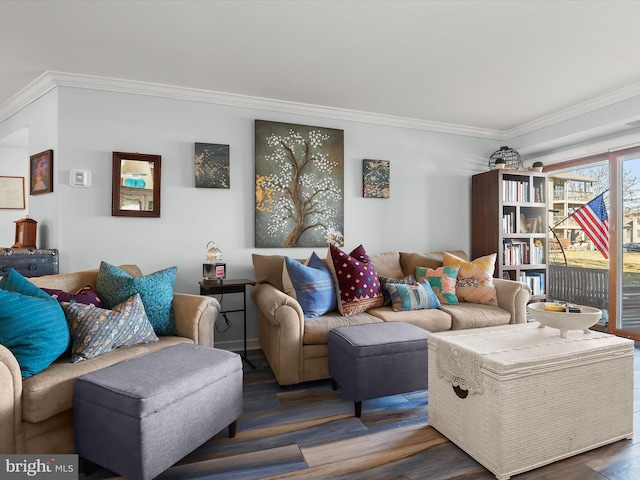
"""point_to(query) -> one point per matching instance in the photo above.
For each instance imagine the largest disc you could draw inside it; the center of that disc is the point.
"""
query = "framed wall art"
(299, 185)
(375, 178)
(12, 192)
(211, 163)
(41, 173)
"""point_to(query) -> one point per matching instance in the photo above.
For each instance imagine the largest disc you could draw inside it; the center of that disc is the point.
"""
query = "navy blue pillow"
(313, 284)
(32, 324)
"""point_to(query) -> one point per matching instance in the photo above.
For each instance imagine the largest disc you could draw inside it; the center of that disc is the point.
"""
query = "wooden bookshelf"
(509, 216)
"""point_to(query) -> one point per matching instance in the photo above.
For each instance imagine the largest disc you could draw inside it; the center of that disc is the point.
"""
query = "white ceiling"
(495, 65)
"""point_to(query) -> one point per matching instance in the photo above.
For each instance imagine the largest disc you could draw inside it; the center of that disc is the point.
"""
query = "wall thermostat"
(80, 178)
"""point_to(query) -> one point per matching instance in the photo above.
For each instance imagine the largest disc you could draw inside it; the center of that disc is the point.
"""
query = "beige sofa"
(35, 412)
(296, 347)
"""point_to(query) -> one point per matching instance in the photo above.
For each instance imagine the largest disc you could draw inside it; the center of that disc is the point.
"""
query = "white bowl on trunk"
(565, 321)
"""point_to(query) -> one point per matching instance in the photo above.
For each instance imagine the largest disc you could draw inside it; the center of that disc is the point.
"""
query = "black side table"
(215, 287)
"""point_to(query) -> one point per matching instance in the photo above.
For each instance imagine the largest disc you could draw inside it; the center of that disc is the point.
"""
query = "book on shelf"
(515, 252)
(535, 281)
(515, 191)
(508, 224)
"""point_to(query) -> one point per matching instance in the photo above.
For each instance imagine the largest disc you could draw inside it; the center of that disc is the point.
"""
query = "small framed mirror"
(135, 185)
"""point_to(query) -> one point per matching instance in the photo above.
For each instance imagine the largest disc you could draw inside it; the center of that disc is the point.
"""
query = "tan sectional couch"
(35, 412)
(296, 347)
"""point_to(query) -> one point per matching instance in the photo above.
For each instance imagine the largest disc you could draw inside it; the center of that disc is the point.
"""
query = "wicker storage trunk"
(532, 397)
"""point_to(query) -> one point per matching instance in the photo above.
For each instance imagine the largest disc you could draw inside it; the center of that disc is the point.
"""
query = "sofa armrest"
(10, 402)
(281, 331)
(513, 297)
(195, 317)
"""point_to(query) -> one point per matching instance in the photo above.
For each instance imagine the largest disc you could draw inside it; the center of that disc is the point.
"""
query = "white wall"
(41, 119)
(14, 162)
(428, 209)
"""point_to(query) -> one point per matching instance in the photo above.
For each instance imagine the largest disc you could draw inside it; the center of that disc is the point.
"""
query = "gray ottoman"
(140, 416)
(378, 359)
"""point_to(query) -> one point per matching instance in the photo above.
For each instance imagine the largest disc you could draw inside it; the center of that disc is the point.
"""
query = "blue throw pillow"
(412, 297)
(114, 286)
(313, 284)
(32, 324)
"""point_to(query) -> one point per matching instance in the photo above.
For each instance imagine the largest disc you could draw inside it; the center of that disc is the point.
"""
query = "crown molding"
(36, 89)
(51, 79)
(602, 101)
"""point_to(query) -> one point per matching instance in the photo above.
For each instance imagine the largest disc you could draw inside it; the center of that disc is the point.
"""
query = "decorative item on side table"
(506, 156)
(26, 229)
(213, 269)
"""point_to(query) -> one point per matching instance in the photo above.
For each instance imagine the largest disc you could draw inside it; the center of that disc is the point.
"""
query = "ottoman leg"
(232, 428)
(334, 384)
(358, 408)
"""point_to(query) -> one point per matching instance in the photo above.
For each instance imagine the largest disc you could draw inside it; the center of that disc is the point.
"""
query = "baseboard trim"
(238, 345)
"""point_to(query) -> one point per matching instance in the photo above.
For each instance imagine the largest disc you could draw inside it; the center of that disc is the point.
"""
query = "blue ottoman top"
(145, 384)
(379, 338)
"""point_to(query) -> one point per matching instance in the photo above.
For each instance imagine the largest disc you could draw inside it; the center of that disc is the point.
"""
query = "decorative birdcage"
(510, 157)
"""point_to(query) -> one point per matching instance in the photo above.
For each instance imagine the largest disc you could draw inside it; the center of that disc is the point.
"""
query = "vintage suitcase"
(29, 262)
(531, 397)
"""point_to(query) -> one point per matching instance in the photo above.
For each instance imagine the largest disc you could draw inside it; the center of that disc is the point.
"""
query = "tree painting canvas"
(299, 185)
(211, 165)
(375, 178)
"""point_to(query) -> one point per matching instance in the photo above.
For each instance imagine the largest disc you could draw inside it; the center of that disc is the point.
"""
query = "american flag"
(594, 220)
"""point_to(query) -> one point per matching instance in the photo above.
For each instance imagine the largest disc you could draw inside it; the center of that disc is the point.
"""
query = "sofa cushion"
(50, 392)
(412, 297)
(432, 319)
(476, 315)
(443, 280)
(357, 280)
(474, 283)
(409, 261)
(32, 324)
(115, 285)
(312, 285)
(317, 329)
(96, 331)
(387, 264)
(268, 269)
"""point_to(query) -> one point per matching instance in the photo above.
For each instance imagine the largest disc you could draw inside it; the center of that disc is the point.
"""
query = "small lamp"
(213, 268)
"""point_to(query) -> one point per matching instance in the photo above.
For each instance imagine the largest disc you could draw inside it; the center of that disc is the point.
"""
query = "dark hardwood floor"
(309, 432)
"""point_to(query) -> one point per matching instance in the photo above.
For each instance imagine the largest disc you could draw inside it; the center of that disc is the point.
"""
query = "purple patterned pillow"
(85, 295)
(357, 280)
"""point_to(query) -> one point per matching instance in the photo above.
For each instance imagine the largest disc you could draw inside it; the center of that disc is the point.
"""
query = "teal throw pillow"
(114, 286)
(412, 297)
(32, 324)
(313, 284)
(96, 330)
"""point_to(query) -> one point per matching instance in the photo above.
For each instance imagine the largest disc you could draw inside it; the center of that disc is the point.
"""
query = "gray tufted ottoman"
(140, 416)
(378, 359)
